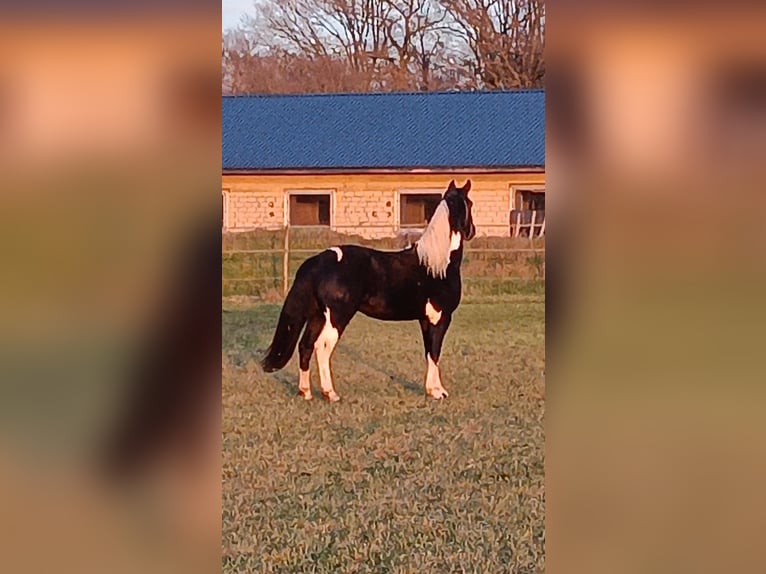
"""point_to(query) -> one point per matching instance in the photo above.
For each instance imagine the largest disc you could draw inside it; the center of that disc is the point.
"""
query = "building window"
(527, 215)
(529, 199)
(310, 209)
(416, 209)
(224, 209)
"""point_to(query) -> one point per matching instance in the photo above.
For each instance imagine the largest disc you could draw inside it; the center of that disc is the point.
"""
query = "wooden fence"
(261, 264)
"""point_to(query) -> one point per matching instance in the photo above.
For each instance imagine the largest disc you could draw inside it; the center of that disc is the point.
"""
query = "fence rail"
(308, 251)
(260, 264)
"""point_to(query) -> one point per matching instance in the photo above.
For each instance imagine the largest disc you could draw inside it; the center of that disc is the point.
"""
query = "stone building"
(375, 165)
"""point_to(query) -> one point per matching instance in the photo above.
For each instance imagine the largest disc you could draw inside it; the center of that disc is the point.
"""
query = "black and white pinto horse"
(419, 283)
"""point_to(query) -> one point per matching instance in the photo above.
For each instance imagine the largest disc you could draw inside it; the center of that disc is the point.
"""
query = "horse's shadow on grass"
(398, 379)
(289, 383)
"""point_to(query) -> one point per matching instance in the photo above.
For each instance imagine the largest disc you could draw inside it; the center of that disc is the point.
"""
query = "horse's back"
(350, 278)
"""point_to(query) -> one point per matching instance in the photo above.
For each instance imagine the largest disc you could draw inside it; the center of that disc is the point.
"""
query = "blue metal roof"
(504, 129)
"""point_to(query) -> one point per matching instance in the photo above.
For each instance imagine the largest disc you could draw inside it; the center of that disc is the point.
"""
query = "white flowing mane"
(437, 242)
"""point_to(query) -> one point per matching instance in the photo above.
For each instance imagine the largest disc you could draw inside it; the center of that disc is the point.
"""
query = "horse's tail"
(291, 321)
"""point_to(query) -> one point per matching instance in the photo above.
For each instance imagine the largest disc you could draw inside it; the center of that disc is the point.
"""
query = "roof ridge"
(384, 94)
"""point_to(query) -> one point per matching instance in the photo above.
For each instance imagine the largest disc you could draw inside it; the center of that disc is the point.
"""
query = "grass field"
(387, 481)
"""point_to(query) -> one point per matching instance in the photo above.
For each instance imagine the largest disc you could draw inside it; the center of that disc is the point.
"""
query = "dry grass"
(385, 480)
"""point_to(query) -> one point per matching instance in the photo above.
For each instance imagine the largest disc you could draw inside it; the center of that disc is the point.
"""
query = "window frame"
(290, 192)
(412, 191)
(534, 188)
(226, 198)
(516, 188)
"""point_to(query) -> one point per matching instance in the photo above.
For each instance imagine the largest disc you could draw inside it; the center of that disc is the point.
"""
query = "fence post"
(532, 228)
(286, 262)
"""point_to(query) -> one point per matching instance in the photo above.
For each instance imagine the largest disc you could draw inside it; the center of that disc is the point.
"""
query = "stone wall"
(491, 211)
(254, 209)
(366, 213)
(367, 204)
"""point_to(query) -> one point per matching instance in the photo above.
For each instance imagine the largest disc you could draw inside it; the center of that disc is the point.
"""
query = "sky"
(232, 10)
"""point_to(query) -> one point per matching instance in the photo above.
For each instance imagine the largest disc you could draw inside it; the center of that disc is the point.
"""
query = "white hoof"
(332, 396)
(305, 395)
(438, 393)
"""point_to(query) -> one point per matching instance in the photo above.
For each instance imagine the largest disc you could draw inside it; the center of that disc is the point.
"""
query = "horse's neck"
(455, 259)
(453, 267)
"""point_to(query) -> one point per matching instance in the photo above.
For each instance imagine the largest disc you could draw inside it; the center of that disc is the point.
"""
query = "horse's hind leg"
(325, 345)
(321, 335)
(337, 317)
(305, 349)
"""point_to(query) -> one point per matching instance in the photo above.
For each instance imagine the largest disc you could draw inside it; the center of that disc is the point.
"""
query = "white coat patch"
(329, 335)
(338, 252)
(454, 242)
(434, 386)
(324, 346)
(432, 314)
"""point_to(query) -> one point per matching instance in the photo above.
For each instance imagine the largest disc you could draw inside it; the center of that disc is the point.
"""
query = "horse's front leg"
(434, 329)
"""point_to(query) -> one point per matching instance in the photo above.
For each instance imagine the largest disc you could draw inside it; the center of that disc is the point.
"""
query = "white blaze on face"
(338, 251)
(432, 314)
(324, 346)
(455, 241)
(434, 386)
(304, 385)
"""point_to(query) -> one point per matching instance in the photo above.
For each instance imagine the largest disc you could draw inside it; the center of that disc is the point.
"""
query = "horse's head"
(450, 224)
(460, 218)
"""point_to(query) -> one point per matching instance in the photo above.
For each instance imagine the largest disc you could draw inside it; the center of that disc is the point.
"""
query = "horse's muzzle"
(471, 233)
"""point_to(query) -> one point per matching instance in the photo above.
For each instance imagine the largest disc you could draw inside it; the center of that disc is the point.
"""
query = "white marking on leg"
(455, 240)
(304, 385)
(324, 346)
(432, 314)
(434, 386)
(338, 252)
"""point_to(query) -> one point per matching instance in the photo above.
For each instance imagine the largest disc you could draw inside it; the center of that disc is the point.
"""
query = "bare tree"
(413, 32)
(250, 67)
(347, 30)
(239, 62)
(386, 44)
(291, 46)
(506, 40)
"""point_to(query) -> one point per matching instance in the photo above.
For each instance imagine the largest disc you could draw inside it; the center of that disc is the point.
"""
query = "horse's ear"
(451, 185)
(467, 187)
